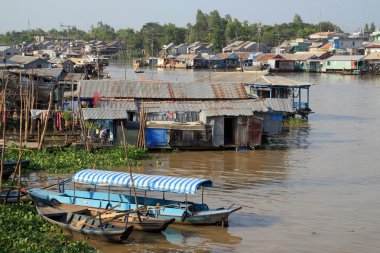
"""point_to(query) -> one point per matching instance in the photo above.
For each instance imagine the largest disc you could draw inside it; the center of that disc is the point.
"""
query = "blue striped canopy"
(142, 181)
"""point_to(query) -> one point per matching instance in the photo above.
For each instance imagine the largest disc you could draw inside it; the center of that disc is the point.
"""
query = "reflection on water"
(312, 189)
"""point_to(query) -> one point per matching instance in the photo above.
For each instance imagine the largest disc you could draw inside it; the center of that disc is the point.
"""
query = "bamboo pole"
(4, 127)
(20, 136)
(82, 124)
(32, 107)
(124, 141)
(134, 190)
(40, 144)
(72, 104)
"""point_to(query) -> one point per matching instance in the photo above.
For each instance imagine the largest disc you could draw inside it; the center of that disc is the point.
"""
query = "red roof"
(327, 46)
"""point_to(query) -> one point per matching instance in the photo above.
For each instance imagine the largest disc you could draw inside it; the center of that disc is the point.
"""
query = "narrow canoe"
(72, 224)
(147, 223)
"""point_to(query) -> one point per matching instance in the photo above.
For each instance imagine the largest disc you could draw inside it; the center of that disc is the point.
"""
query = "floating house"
(8, 51)
(198, 115)
(349, 64)
(30, 62)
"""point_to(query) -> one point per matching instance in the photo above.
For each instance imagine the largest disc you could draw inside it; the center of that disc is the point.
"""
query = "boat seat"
(69, 217)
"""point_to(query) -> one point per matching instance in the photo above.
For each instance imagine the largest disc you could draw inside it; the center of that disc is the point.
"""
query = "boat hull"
(190, 214)
(8, 166)
(66, 221)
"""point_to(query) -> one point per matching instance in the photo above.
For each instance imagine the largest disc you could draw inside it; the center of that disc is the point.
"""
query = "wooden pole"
(20, 137)
(4, 126)
(72, 104)
(32, 107)
(39, 131)
(124, 141)
(134, 190)
(81, 121)
(40, 144)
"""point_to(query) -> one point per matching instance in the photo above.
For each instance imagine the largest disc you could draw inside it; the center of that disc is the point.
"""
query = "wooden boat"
(10, 165)
(82, 225)
(144, 223)
(139, 71)
(13, 197)
(184, 212)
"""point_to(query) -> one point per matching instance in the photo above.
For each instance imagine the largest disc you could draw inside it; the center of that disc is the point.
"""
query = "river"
(314, 189)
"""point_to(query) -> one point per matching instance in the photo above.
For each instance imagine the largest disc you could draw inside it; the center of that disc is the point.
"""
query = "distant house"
(325, 36)
(231, 60)
(346, 63)
(372, 48)
(263, 60)
(200, 48)
(191, 60)
(246, 46)
(351, 44)
(180, 49)
(8, 51)
(293, 46)
(308, 61)
(30, 62)
(375, 36)
(167, 49)
(373, 61)
(315, 46)
(43, 38)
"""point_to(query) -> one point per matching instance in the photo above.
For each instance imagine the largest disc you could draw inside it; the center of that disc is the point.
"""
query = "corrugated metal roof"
(103, 113)
(23, 59)
(346, 58)
(274, 80)
(125, 105)
(372, 56)
(227, 112)
(266, 57)
(234, 77)
(153, 90)
(301, 56)
(68, 77)
(260, 105)
(43, 72)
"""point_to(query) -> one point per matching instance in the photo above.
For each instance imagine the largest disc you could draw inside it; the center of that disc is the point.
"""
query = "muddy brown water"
(313, 189)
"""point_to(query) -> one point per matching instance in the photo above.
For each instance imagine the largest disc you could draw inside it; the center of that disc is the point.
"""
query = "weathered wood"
(124, 141)
(40, 145)
(4, 127)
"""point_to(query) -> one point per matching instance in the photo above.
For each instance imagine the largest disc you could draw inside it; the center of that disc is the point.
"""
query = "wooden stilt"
(40, 144)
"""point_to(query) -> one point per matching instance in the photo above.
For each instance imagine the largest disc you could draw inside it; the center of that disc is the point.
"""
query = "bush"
(71, 159)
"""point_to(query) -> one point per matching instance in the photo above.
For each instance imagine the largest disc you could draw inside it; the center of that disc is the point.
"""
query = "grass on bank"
(23, 230)
(71, 159)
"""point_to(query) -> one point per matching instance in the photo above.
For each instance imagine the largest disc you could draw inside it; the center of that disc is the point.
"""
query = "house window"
(8, 53)
(328, 63)
(39, 66)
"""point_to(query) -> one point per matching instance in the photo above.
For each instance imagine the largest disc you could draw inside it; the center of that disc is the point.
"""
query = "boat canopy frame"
(141, 181)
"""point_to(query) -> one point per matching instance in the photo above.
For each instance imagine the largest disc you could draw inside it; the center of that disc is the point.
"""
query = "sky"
(18, 15)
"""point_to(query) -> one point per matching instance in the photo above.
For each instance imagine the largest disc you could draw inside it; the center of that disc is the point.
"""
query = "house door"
(229, 131)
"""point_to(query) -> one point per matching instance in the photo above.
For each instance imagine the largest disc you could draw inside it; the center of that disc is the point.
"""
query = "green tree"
(201, 26)
(297, 20)
(372, 28)
(216, 30)
(103, 32)
(366, 28)
(233, 28)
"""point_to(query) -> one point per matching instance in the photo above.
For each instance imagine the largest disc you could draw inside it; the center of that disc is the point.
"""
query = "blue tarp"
(156, 137)
(276, 117)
